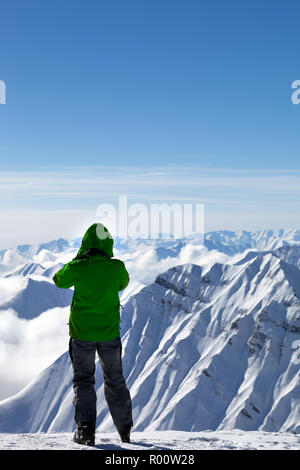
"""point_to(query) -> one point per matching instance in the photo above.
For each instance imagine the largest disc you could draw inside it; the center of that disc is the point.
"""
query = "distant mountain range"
(224, 241)
(204, 347)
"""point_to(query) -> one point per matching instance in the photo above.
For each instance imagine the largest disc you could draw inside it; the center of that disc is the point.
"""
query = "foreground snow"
(158, 440)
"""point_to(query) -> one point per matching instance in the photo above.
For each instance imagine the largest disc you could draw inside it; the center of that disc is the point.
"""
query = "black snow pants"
(117, 395)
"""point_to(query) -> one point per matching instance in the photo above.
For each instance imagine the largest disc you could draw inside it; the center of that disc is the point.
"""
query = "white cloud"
(29, 346)
(10, 287)
(143, 264)
(95, 182)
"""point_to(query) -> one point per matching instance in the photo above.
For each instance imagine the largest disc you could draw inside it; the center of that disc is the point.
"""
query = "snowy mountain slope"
(54, 246)
(35, 296)
(203, 348)
(49, 272)
(133, 288)
(30, 408)
(290, 254)
(220, 332)
(248, 255)
(26, 269)
(35, 268)
(231, 242)
(157, 440)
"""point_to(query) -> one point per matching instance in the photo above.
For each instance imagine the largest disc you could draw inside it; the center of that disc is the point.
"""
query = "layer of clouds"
(144, 265)
(29, 346)
(10, 287)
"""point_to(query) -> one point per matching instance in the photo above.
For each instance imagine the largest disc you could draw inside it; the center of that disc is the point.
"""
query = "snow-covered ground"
(158, 440)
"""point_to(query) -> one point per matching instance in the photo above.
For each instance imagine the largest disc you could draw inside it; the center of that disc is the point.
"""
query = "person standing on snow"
(94, 325)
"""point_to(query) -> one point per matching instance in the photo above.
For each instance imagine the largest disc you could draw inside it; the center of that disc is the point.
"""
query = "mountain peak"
(183, 279)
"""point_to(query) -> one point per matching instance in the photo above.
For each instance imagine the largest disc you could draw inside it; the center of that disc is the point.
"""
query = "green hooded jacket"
(97, 280)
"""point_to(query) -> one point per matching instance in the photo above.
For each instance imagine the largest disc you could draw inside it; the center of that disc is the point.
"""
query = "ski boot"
(84, 435)
(124, 434)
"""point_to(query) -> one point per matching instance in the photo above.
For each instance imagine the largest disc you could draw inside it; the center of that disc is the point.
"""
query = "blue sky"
(144, 86)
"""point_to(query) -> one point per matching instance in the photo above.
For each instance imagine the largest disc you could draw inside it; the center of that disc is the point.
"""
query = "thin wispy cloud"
(46, 203)
(75, 181)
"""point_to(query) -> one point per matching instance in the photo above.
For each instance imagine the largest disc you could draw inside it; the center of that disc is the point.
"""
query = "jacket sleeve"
(124, 279)
(66, 276)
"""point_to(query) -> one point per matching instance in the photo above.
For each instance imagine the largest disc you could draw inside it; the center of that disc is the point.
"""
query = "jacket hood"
(97, 236)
